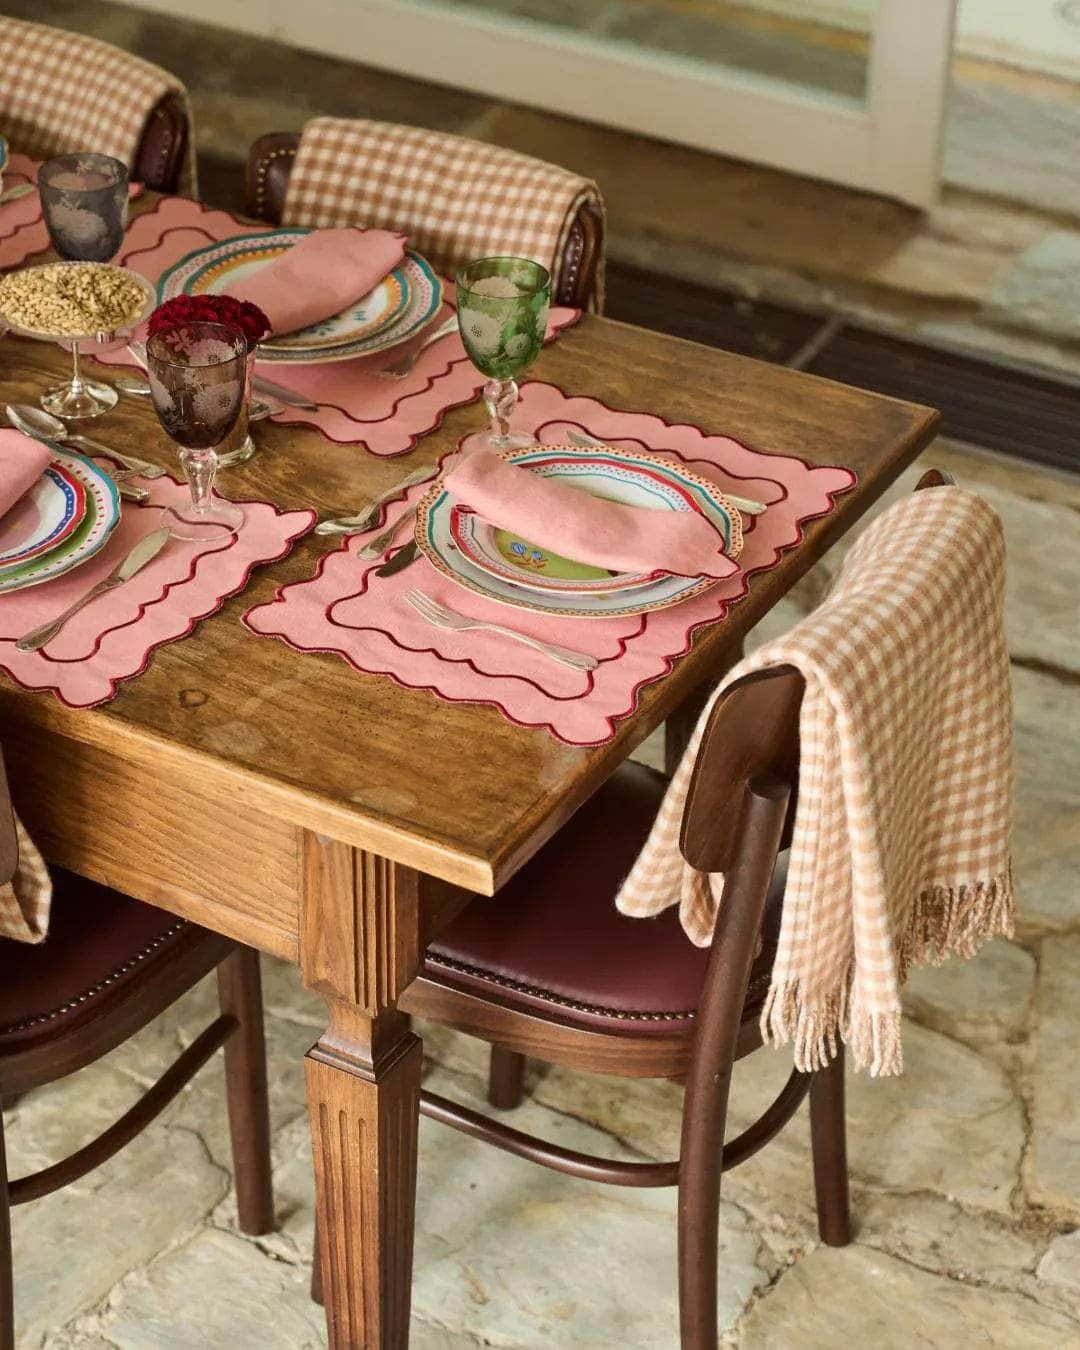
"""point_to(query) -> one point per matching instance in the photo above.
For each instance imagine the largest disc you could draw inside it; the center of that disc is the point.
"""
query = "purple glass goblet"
(198, 374)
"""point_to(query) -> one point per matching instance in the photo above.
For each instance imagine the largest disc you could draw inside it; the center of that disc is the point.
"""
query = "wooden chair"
(557, 974)
(269, 166)
(64, 84)
(108, 967)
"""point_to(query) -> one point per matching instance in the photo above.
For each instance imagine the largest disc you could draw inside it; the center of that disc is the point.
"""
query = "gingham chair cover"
(25, 900)
(61, 93)
(456, 198)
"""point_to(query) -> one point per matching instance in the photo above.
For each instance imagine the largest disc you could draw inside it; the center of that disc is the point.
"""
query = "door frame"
(889, 143)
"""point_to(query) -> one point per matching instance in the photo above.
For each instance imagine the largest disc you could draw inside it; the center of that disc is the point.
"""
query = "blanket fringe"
(945, 921)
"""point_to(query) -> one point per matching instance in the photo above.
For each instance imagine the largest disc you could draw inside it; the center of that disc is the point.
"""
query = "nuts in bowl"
(73, 299)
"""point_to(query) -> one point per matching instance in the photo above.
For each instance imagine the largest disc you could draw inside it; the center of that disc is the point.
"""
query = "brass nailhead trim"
(101, 985)
(260, 176)
(617, 1014)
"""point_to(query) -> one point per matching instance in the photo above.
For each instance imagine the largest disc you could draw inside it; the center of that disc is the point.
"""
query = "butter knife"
(145, 551)
(401, 559)
(14, 194)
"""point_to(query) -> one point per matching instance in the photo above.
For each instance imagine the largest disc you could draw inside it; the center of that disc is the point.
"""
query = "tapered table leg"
(363, 1104)
(360, 944)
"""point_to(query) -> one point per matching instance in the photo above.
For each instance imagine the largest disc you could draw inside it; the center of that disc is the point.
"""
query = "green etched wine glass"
(502, 310)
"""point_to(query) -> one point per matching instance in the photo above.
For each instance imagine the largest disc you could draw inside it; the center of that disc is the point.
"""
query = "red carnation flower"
(239, 314)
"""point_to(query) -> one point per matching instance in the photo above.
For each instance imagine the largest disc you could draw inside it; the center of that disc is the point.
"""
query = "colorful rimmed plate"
(42, 518)
(393, 312)
(630, 478)
(453, 540)
(91, 535)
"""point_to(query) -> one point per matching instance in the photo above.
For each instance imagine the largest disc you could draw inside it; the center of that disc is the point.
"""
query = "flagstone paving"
(965, 1171)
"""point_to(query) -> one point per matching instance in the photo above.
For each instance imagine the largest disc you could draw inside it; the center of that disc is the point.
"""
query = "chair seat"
(552, 940)
(100, 944)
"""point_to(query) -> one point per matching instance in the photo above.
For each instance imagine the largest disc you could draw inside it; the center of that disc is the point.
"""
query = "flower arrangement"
(239, 314)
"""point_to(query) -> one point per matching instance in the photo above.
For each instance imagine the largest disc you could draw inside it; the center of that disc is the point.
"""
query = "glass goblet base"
(512, 440)
(215, 521)
(79, 398)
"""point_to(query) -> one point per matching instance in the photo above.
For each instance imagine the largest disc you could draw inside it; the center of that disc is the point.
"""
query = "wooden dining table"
(337, 820)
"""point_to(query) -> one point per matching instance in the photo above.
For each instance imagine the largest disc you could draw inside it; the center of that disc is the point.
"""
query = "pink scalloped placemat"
(113, 638)
(22, 227)
(355, 406)
(347, 610)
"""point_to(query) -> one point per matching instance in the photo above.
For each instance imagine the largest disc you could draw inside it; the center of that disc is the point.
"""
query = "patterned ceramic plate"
(640, 479)
(42, 518)
(101, 518)
(393, 312)
(632, 479)
(3, 154)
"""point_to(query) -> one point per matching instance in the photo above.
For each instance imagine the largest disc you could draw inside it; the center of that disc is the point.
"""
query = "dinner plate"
(43, 517)
(439, 515)
(630, 478)
(91, 535)
(390, 314)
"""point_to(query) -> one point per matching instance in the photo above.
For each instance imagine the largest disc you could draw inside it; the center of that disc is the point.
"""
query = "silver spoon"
(38, 423)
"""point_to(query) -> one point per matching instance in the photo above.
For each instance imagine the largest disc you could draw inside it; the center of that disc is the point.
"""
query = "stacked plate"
(64, 519)
(396, 310)
(515, 571)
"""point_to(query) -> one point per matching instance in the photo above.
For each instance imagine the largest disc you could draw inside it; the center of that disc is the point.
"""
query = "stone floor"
(966, 1170)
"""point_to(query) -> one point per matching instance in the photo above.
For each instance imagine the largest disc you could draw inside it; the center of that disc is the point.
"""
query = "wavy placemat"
(355, 405)
(113, 638)
(348, 610)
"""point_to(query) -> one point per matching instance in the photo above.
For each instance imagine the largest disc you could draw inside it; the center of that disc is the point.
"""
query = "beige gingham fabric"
(25, 899)
(457, 199)
(62, 93)
(901, 851)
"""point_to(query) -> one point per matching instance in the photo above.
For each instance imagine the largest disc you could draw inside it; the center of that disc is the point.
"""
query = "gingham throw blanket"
(25, 899)
(61, 93)
(901, 848)
(457, 199)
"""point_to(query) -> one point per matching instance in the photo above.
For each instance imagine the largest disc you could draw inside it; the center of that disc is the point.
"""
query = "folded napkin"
(320, 275)
(901, 853)
(585, 528)
(22, 462)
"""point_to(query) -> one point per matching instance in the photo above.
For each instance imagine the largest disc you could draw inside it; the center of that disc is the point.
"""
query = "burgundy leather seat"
(552, 940)
(100, 944)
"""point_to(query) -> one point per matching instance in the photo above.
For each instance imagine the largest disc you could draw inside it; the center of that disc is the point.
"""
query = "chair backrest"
(456, 198)
(61, 93)
(752, 736)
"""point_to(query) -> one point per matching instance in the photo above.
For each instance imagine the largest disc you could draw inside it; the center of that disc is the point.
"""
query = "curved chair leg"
(828, 1139)
(240, 994)
(506, 1083)
(7, 1282)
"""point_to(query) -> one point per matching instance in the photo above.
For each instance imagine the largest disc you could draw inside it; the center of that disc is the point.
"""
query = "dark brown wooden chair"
(108, 967)
(557, 974)
(269, 165)
(44, 116)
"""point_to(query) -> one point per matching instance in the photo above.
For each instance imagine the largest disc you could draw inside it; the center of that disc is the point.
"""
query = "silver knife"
(259, 383)
(401, 559)
(146, 550)
(14, 194)
(283, 393)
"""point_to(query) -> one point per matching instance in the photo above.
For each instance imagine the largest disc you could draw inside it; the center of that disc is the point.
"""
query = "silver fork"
(407, 364)
(441, 617)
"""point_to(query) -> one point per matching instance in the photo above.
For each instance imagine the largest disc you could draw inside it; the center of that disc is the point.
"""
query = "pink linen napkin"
(586, 528)
(22, 462)
(319, 276)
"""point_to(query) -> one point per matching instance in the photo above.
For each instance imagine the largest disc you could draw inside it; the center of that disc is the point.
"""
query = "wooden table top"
(453, 790)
